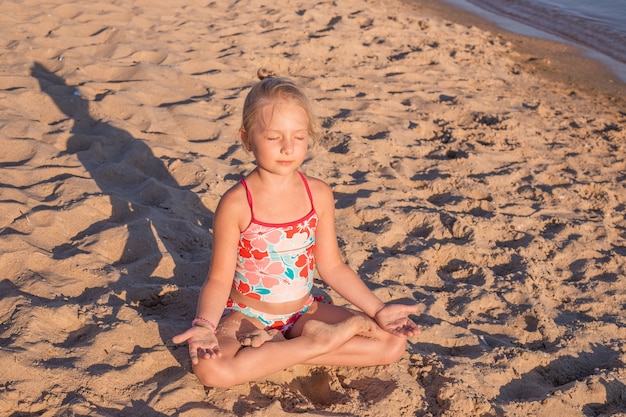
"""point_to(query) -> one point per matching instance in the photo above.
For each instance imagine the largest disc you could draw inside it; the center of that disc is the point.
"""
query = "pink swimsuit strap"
(254, 219)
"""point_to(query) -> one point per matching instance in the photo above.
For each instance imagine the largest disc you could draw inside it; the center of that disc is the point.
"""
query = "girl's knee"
(214, 375)
(394, 348)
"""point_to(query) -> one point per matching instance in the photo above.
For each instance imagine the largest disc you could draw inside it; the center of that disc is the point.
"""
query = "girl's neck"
(277, 198)
(272, 181)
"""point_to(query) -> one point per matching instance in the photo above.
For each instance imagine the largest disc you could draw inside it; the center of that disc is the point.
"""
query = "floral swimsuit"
(275, 264)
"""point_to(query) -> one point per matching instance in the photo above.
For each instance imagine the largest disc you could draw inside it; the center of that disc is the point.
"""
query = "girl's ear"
(244, 139)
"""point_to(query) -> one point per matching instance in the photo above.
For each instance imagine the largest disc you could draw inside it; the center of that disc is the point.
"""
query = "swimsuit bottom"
(281, 322)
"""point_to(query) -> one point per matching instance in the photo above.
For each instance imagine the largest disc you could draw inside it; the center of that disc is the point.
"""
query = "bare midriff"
(265, 307)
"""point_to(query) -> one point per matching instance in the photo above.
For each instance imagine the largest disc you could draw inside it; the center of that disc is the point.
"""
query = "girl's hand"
(202, 343)
(394, 318)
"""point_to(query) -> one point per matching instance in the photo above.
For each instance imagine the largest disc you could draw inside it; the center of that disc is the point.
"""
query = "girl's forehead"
(279, 110)
(283, 103)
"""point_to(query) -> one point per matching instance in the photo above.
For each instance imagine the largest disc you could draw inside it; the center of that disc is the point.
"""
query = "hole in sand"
(317, 388)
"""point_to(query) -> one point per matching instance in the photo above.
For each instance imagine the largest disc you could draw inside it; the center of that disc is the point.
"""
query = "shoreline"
(552, 59)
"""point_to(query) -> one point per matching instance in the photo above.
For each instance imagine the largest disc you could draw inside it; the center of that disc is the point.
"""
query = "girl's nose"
(287, 146)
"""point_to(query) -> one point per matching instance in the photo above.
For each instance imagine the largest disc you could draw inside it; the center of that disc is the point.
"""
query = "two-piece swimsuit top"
(275, 262)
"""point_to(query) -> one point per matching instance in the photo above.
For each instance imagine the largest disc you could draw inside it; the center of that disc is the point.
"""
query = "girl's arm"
(214, 293)
(226, 230)
(331, 267)
(394, 318)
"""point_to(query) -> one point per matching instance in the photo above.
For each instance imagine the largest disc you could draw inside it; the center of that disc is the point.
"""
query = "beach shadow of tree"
(161, 218)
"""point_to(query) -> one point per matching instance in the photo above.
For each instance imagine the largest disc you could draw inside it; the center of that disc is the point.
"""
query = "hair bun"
(264, 73)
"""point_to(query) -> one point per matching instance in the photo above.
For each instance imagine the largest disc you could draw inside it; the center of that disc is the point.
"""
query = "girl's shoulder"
(234, 204)
(234, 196)
(317, 184)
(321, 191)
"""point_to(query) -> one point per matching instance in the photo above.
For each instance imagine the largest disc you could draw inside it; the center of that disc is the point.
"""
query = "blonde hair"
(269, 89)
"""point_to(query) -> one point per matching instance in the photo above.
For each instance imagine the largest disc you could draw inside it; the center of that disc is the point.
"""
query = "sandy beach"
(477, 173)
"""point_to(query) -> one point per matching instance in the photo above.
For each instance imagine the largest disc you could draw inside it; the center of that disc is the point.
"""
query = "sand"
(471, 176)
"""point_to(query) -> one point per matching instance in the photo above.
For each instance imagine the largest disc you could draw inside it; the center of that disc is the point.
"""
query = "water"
(599, 26)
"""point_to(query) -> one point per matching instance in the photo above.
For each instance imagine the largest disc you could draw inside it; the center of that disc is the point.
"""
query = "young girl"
(255, 314)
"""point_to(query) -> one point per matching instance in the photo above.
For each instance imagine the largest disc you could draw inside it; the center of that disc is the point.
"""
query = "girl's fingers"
(197, 352)
(181, 338)
(193, 355)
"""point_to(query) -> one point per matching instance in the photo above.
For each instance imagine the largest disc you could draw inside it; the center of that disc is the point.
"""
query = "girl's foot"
(258, 337)
(331, 336)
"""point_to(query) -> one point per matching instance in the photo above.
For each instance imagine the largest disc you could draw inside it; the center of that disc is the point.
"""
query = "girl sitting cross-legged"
(255, 313)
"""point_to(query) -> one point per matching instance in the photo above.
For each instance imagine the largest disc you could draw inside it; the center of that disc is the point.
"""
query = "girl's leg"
(242, 364)
(377, 347)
